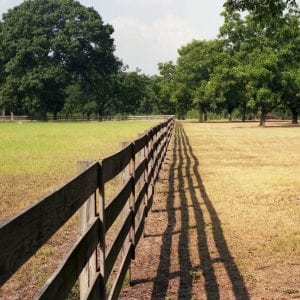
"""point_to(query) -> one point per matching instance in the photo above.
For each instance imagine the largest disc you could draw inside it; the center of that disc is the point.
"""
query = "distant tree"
(263, 8)
(288, 39)
(45, 45)
(131, 92)
(164, 86)
(194, 66)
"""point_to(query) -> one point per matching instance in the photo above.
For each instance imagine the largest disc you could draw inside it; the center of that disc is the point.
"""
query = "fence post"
(125, 175)
(86, 215)
(146, 179)
(102, 234)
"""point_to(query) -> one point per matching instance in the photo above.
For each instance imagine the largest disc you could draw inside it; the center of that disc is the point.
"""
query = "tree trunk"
(43, 113)
(205, 116)
(230, 117)
(55, 115)
(262, 120)
(244, 113)
(100, 112)
(200, 115)
(294, 116)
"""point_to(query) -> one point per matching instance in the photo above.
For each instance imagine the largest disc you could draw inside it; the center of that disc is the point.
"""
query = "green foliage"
(253, 67)
(45, 45)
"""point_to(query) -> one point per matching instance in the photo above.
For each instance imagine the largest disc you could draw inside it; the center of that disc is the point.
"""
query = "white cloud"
(146, 44)
(6, 4)
(143, 2)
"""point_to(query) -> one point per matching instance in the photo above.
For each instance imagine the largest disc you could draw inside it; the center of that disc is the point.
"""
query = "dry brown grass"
(226, 219)
(252, 177)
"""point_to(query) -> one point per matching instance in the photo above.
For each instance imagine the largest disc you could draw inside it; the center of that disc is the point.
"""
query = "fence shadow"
(206, 264)
(238, 285)
(185, 162)
(161, 281)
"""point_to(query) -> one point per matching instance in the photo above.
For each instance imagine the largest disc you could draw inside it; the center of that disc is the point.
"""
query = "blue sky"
(150, 31)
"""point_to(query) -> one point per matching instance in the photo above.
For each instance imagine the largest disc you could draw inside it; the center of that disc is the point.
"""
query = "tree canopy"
(47, 44)
(57, 57)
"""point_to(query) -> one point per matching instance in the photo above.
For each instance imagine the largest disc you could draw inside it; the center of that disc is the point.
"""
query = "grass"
(36, 158)
(252, 177)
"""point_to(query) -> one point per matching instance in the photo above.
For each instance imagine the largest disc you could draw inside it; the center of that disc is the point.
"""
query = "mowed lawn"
(251, 176)
(36, 158)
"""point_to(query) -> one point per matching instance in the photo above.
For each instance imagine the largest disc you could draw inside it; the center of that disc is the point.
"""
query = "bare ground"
(186, 254)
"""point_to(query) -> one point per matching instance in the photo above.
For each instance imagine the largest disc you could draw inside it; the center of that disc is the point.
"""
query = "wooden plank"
(140, 169)
(140, 227)
(116, 289)
(139, 198)
(116, 205)
(102, 244)
(22, 235)
(116, 246)
(114, 164)
(140, 143)
(94, 292)
(150, 134)
(150, 201)
(86, 215)
(61, 282)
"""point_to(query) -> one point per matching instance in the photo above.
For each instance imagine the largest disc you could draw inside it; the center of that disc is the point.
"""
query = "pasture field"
(35, 158)
(226, 217)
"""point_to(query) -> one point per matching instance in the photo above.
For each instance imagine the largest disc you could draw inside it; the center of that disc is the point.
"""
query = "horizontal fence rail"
(90, 259)
(85, 118)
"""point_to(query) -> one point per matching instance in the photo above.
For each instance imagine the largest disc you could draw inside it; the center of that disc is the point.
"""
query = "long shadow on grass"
(211, 285)
(163, 275)
(161, 281)
(237, 281)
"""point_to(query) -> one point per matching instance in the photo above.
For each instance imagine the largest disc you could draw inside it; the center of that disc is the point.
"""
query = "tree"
(288, 39)
(195, 64)
(262, 8)
(164, 86)
(45, 45)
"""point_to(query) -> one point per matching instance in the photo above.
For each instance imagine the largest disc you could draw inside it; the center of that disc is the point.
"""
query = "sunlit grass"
(37, 157)
(252, 178)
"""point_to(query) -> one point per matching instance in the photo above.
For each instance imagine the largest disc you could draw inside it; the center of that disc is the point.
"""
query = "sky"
(150, 31)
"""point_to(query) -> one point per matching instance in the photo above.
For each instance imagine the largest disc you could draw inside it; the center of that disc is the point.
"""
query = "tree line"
(57, 56)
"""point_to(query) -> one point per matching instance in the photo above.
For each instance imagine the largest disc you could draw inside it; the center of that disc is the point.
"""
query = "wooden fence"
(85, 118)
(90, 259)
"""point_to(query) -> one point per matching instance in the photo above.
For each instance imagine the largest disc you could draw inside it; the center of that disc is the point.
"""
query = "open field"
(35, 158)
(225, 223)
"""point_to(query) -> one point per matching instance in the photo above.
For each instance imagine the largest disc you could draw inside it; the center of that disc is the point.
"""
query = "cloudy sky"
(150, 31)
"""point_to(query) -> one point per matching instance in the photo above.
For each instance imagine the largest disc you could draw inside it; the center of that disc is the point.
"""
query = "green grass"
(37, 157)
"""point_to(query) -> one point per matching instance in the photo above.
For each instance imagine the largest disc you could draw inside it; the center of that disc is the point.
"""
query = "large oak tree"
(47, 44)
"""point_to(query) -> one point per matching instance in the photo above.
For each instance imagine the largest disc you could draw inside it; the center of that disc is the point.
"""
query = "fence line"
(14, 118)
(90, 260)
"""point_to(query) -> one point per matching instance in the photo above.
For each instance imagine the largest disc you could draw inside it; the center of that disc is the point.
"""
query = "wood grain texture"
(116, 246)
(61, 282)
(25, 233)
(116, 289)
(140, 143)
(114, 208)
(140, 169)
(140, 198)
(114, 164)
